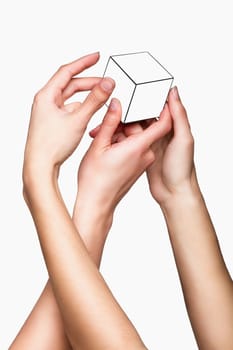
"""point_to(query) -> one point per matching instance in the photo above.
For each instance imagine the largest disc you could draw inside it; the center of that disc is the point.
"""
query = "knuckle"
(62, 68)
(180, 110)
(96, 98)
(39, 96)
(136, 148)
(191, 140)
(65, 70)
(184, 109)
(149, 157)
(188, 140)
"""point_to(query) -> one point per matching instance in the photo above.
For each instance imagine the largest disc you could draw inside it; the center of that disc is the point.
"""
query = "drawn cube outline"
(142, 84)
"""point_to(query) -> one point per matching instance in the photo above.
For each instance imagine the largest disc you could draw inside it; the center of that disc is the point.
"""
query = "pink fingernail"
(113, 105)
(107, 84)
(176, 93)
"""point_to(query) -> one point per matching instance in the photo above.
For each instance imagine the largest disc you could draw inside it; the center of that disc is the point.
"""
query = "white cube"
(142, 85)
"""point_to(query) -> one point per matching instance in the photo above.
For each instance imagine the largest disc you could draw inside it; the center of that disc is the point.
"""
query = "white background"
(193, 40)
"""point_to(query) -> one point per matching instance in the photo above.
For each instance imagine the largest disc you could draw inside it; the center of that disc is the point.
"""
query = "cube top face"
(141, 67)
(142, 85)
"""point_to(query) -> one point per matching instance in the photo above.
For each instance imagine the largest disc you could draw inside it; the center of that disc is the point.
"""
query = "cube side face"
(124, 86)
(148, 100)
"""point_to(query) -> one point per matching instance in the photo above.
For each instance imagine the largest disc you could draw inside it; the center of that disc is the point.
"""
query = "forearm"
(44, 327)
(92, 317)
(206, 283)
(93, 223)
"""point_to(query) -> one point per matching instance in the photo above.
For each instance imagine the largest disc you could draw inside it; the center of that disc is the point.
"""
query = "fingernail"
(107, 84)
(113, 105)
(176, 93)
(93, 53)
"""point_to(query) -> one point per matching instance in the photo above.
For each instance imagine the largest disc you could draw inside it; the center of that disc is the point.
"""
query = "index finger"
(64, 74)
(157, 129)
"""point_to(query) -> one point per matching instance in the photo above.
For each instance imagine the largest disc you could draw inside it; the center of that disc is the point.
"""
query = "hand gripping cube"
(142, 85)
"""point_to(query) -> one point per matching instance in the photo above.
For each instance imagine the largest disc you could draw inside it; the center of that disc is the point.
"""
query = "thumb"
(110, 123)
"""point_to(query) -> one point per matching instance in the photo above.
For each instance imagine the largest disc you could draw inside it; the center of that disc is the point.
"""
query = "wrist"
(186, 191)
(92, 218)
(93, 224)
(38, 178)
(179, 201)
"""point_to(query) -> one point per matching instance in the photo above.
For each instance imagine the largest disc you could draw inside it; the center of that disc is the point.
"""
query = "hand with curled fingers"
(172, 168)
(115, 160)
(56, 127)
(173, 171)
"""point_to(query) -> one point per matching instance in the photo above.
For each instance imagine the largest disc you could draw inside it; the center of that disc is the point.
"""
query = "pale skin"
(44, 328)
(91, 316)
(206, 283)
(174, 186)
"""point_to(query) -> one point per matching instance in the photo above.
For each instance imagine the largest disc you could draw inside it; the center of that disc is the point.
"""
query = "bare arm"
(206, 283)
(92, 317)
(44, 328)
(86, 304)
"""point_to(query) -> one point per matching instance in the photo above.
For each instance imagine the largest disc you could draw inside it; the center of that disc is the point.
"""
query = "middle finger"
(79, 84)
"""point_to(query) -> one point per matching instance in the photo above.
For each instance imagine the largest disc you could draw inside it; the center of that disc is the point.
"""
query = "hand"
(114, 160)
(173, 170)
(56, 128)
